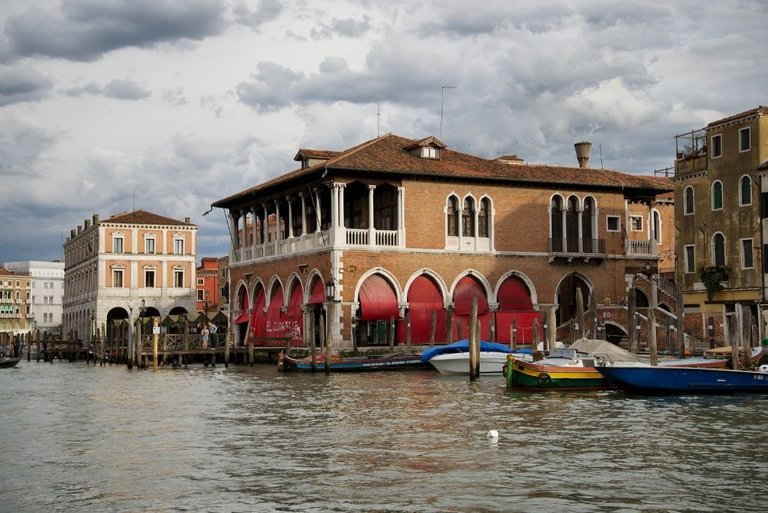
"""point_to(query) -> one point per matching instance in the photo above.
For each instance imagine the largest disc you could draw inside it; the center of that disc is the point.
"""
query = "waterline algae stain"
(78, 438)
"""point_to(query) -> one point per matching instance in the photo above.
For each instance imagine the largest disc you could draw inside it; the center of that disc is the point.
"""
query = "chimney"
(79, 229)
(72, 233)
(582, 153)
(87, 224)
(95, 219)
(186, 220)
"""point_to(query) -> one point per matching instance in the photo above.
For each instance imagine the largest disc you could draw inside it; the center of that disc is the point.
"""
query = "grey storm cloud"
(347, 27)
(395, 75)
(22, 85)
(120, 89)
(84, 30)
(266, 11)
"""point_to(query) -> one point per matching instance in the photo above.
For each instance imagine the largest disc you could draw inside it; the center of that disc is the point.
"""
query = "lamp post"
(330, 295)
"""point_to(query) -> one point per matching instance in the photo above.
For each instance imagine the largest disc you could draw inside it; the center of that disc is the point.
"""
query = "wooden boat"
(573, 368)
(7, 362)
(454, 358)
(648, 379)
(563, 369)
(351, 363)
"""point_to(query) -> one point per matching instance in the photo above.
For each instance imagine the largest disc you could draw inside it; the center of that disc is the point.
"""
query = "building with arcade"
(393, 239)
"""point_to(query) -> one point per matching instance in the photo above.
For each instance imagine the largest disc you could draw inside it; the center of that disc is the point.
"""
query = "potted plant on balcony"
(712, 277)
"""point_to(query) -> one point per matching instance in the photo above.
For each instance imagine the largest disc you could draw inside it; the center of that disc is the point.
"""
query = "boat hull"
(352, 363)
(458, 363)
(675, 380)
(7, 363)
(522, 374)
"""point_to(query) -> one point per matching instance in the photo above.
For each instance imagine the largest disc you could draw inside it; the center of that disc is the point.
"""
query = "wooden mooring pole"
(155, 334)
(474, 343)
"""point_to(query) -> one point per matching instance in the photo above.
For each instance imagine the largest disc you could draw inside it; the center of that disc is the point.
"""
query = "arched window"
(745, 191)
(572, 224)
(453, 216)
(718, 249)
(556, 223)
(656, 227)
(717, 195)
(688, 200)
(468, 218)
(484, 218)
(587, 224)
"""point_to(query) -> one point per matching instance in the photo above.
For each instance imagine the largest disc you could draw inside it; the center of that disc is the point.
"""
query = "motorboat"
(454, 358)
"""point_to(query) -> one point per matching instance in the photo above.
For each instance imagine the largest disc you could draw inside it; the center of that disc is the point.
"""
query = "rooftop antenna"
(442, 98)
(134, 198)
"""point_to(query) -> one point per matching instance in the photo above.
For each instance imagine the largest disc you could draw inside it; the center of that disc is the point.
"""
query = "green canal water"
(248, 439)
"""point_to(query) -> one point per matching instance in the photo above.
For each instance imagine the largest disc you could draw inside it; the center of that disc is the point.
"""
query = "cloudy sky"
(169, 105)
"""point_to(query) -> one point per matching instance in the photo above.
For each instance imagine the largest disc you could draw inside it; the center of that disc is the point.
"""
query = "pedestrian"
(205, 333)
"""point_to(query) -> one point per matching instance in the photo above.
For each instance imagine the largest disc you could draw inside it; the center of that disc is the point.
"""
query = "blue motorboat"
(647, 379)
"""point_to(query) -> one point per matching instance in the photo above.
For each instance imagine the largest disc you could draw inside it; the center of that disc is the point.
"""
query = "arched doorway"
(515, 309)
(566, 297)
(467, 289)
(378, 308)
(425, 306)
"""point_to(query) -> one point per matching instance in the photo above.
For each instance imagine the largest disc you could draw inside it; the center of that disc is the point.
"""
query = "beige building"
(720, 216)
(15, 316)
(133, 264)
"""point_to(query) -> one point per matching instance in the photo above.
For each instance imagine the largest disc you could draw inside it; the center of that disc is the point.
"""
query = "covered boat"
(454, 358)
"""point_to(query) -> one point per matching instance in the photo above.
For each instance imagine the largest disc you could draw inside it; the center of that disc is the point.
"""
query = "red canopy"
(467, 289)
(318, 293)
(424, 299)
(243, 317)
(514, 295)
(377, 300)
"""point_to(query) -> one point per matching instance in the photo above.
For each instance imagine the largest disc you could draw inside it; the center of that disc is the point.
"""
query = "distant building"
(208, 286)
(133, 264)
(405, 234)
(46, 284)
(15, 314)
(721, 214)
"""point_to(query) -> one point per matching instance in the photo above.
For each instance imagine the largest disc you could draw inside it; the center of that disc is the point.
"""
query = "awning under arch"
(378, 301)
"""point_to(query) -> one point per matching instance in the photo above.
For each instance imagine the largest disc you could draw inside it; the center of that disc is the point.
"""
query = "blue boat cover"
(462, 346)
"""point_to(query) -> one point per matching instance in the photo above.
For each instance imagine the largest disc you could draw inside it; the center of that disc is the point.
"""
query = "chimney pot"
(186, 220)
(582, 153)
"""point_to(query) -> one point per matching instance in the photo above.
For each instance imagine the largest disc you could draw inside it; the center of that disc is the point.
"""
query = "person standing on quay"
(205, 333)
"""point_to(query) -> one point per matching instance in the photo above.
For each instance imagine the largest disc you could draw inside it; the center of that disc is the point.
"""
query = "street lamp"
(330, 295)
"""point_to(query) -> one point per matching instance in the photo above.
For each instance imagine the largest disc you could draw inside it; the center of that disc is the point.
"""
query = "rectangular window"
(747, 261)
(178, 246)
(201, 281)
(745, 139)
(717, 146)
(178, 278)
(636, 223)
(200, 294)
(612, 223)
(149, 278)
(117, 277)
(149, 246)
(690, 262)
(117, 245)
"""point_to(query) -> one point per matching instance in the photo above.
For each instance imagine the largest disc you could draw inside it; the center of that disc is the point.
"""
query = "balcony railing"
(577, 246)
(640, 247)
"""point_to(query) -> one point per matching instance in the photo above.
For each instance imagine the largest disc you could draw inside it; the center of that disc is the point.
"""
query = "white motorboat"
(454, 358)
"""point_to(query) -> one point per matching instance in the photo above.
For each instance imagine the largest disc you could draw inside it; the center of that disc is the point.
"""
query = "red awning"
(424, 300)
(514, 296)
(318, 294)
(467, 289)
(377, 300)
(243, 317)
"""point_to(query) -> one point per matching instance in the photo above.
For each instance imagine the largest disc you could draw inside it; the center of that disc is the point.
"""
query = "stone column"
(371, 230)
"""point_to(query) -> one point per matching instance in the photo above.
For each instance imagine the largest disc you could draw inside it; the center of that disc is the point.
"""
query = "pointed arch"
(467, 287)
(426, 299)
(565, 295)
(515, 296)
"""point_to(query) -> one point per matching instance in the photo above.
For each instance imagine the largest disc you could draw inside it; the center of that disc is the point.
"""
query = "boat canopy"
(462, 346)
(605, 349)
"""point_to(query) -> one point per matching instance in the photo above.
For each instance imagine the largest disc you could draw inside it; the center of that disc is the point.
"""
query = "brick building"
(411, 231)
(208, 285)
(721, 208)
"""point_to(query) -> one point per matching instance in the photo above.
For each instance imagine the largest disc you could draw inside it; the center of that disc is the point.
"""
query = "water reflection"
(79, 438)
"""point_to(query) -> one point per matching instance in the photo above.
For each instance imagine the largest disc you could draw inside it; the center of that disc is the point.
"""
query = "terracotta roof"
(143, 217)
(759, 110)
(389, 155)
(5, 272)
(306, 153)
